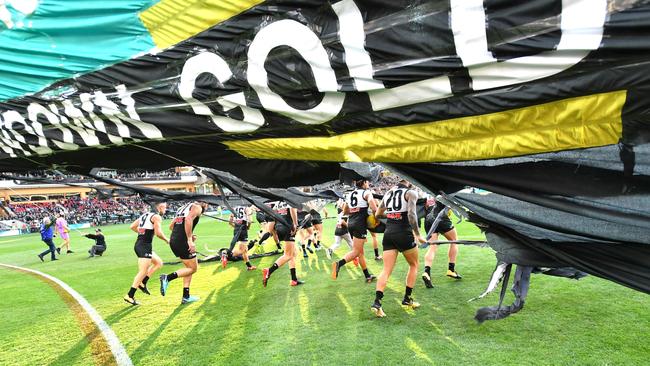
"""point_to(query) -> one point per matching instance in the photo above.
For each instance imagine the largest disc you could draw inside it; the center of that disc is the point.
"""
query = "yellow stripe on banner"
(581, 122)
(172, 21)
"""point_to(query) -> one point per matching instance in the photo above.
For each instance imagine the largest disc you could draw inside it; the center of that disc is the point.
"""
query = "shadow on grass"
(72, 354)
(116, 316)
(146, 345)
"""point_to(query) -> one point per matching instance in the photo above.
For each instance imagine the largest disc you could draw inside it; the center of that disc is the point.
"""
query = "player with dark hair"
(402, 231)
(436, 211)
(147, 225)
(356, 207)
(182, 244)
(240, 220)
(286, 234)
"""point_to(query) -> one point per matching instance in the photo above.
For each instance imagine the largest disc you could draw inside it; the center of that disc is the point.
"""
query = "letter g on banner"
(299, 37)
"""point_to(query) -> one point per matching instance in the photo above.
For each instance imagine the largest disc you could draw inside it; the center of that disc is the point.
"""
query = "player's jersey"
(283, 209)
(396, 209)
(358, 206)
(178, 230)
(145, 228)
(240, 215)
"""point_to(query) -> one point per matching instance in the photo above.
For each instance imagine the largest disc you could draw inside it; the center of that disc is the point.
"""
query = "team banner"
(45, 41)
(386, 81)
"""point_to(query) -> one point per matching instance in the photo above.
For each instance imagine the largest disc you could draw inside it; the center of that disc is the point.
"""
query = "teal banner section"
(44, 41)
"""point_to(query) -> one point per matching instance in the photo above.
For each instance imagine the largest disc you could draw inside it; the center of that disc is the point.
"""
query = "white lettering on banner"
(36, 129)
(353, 39)
(299, 37)
(89, 108)
(18, 140)
(211, 63)
(80, 124)
(581, 25)
(10, 143)
(88, 136)
(148, 130)
(109, 109)
(35, 109)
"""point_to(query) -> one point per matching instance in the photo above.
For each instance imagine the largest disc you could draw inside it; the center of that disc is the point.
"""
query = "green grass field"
(324, 322)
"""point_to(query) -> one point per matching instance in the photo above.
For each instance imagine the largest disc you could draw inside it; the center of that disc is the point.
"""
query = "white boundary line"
(119, 353)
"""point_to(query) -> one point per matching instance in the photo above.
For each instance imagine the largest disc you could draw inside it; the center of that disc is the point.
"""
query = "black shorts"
(261, 217)
(400, 241)
(445, 225)
(340, 231)
(143, 250)
(358, 231)
(181, 250)
(358, 226)
(240, 233)
(284, 233)
(317, 221)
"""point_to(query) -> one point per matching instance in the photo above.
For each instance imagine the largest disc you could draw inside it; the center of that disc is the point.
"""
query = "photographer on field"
(100, 243)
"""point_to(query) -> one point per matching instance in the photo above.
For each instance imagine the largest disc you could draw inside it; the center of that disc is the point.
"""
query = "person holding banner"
(437, 221)
(402, 231)
(240, 220)
(146, 226)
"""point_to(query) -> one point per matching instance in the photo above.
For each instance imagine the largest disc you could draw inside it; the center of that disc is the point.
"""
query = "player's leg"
(390, 256)
(143, 266)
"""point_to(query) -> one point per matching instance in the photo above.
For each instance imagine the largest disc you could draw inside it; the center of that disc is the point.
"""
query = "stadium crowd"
(121, 209)
(78, 210)
(113, 174)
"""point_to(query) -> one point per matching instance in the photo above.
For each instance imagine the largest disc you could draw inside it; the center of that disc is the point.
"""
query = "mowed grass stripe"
(37, 326)
(106, 348)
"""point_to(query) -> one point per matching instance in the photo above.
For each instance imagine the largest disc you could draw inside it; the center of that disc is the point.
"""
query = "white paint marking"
(119, 353)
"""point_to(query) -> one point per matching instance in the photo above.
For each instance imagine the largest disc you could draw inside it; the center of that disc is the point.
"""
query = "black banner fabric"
(261, 84)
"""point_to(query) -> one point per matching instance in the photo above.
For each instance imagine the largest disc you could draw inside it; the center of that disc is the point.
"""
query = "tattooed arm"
(411, 200)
